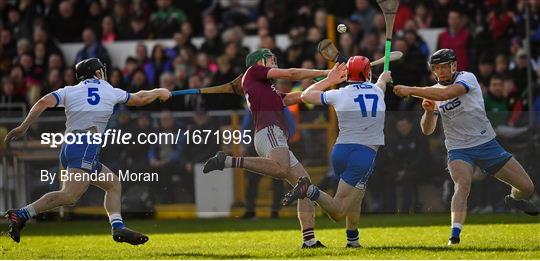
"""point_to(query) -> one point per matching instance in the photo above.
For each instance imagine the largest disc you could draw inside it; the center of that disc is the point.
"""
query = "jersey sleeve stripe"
(464, 85)
(57, 97)
(323, 99)
(128, 96)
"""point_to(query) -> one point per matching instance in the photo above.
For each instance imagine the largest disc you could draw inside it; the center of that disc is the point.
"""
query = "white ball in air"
(341, 28)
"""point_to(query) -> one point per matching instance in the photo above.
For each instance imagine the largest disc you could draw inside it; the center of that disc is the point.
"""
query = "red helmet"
(358, 69)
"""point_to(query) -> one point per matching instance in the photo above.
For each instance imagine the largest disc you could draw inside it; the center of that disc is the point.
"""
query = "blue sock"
(456, 229)
(26, 213)
(352, 237)
(313, 193)
(116, 221)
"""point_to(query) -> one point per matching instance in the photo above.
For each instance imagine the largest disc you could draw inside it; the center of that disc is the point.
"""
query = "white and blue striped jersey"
(360, 110)
(89, 103)
(464, 118)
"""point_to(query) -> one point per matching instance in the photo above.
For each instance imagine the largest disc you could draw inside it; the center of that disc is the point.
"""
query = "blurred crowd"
(487, 36)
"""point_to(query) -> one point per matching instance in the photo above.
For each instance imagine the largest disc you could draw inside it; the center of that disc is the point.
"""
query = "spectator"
(501, 64)
(182, 42)
(139, 8)
(519, 72)
(422, 16)
(23, 46)
(9, 94)
(164, 158)
(319, 20)
(364, 14)
(379, 25)
(17, 76)
(495, 102)
(409, 168)
(41, 36)
(295, 51)
(456, 37)
(108, 34)
(67, 26)
(198, 153)
(141, 54)
(95, 13)
(414, 40)
(14, 22)
(5, 61)
(313, 38)
(187, 30)
(485, 71)
(136, 156)
(49, 9)
(120, 19)
(235, 15)
(40, 60)
(139, 82)
(223, 75)
(237, 59)
(158, 64)
(347, 46)
(192, 102)
(441, 10)
(205, 68)
(404, 14)
(8, 43)
(117, 78)
(410, 68)
(166, 20)
(501, 27)
(92, 48)
(212, 44)
(55, 61)
(69, 77)
(54, 82)
(138, 29)
(368, 46)
(181, 76)
(130, 66)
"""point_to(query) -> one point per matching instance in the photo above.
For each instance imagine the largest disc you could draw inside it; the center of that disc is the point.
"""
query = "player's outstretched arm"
(429, 119)
(47, 101)
(142, 98)
(295, 74)
(337, 75)
(385, 78)
(432, 93)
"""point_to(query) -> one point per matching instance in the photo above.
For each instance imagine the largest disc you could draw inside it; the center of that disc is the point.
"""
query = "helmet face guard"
(260, 54)
(443, 56)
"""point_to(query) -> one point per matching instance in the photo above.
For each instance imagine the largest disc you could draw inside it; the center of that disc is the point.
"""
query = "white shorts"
(272, 137)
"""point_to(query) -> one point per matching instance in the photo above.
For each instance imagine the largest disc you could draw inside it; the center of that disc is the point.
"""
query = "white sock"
(457, 225)
(228, 162)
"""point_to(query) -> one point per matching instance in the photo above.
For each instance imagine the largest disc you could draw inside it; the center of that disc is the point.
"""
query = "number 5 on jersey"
(361, 101)
(93, 96)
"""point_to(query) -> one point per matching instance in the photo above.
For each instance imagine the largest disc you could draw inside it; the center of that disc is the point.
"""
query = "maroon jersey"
(264, 100)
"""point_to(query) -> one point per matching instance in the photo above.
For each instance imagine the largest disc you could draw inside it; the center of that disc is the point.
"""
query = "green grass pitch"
(497, 236)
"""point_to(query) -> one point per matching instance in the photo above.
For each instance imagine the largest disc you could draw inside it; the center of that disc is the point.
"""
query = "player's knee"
(462, 186)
